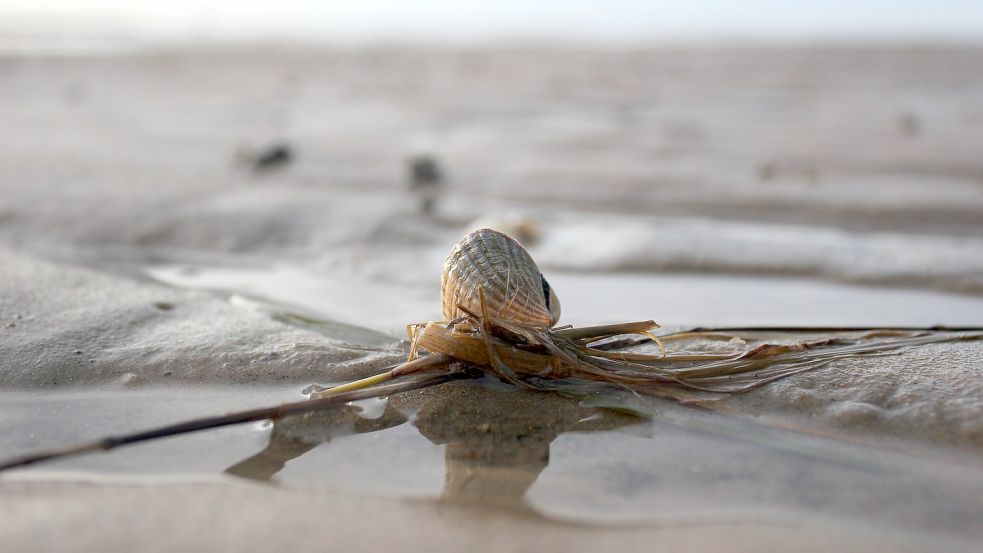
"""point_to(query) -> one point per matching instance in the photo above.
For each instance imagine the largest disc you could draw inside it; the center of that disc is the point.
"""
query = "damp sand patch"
(488, 447)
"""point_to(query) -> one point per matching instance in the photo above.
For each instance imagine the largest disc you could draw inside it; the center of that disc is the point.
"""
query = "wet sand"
(236, 517)
(147, 278)
(532, 466)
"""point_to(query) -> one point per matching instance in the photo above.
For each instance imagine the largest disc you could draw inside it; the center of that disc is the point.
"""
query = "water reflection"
(295, 436)
(497, 438)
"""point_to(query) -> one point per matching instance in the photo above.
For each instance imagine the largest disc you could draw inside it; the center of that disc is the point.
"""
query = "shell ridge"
(525, 297)
(504, 270)
(486, 273)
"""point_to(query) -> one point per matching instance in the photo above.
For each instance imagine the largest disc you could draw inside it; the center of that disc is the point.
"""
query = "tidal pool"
(488, 445)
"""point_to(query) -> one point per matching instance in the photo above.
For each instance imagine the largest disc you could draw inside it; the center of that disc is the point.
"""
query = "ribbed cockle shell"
(513, 286)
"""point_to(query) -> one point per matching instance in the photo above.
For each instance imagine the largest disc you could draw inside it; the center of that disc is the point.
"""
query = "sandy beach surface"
(148, 275)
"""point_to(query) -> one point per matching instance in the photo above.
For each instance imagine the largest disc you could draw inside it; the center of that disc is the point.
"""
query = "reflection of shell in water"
(514, 289)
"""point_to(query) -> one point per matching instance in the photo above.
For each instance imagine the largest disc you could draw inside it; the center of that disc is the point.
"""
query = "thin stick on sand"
(239, 417)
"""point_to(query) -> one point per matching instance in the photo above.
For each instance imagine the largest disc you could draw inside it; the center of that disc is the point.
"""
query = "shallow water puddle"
(588, 299)
(731, 300)
(483, 443)
(349, 301)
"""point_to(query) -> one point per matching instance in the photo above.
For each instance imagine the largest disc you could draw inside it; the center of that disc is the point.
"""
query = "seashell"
(512, 284)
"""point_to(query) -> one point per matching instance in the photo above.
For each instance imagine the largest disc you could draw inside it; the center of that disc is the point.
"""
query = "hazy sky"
(455, 20)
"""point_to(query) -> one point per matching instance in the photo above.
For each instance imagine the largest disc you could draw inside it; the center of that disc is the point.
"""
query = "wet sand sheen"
(852, 166)
(676, 300)
(493, 446)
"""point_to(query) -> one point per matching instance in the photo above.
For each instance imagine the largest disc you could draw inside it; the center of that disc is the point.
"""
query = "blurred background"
(470, 21)
(753, 163)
